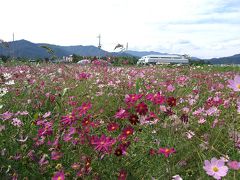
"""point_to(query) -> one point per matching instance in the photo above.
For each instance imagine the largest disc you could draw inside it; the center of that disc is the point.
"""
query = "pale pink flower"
(212, 111)
(201, 120)
(5, 116)
(235, 83)
(170, 88)
(185, 110)
(190, 134)
(215, 168)
(121, 114)
(198, 112)
(2, 127)
(238, 106)
(224, 158)
(163, 108)
(177, 177)
(47, 114)
(16, 122)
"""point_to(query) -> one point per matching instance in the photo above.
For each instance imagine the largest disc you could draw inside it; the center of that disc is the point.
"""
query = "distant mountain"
(79, 50)
(235, 59)
(23, 48)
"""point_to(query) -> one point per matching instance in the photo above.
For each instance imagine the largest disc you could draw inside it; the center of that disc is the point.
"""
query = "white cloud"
(146, 25)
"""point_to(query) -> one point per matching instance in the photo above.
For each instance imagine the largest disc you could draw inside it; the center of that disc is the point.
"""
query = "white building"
(164, 59)
(68, 58)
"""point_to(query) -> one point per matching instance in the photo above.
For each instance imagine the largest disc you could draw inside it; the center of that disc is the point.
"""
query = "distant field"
(66, 121)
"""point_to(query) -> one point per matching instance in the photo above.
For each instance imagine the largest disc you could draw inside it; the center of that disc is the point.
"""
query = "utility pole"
(99, 44)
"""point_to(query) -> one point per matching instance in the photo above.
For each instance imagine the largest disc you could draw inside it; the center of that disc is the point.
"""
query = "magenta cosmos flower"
(166, 151)
(235, 83)
(132, 98)
(215, 168)
(112, 126)
(142, 108)
(156, 98)
(103, 144)
(84, 108)
(58, 176)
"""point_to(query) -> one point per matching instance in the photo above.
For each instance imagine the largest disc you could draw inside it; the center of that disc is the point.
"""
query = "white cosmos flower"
(3, 91)
(11, 82)
(7, 76)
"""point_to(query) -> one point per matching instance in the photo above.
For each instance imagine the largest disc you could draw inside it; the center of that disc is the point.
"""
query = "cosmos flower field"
(66, 121)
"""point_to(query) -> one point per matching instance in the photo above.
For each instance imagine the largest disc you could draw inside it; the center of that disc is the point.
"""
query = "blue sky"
(201, 28)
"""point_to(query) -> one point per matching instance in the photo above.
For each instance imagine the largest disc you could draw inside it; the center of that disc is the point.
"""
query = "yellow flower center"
(128, 132)
(59, 178)
(238, 86)
(215, 169)
(167, 150)
(102, 142)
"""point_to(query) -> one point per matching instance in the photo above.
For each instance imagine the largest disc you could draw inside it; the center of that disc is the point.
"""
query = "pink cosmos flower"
(2, 127)
(201, 120)
(112, 126)
(75, 166)
(122, 149)
(170, 88)
(215, 168)
(156, 98)
(58, 176)
(68, 135)
(68, 119)
(132, 98)
(190, 134)
(43, 160)
(142, 108)
(84, 108)
(133, 119)
(235, 84)
(121, 114)
(122, 175)
(86, 121)
(47, 114)
(127, 131)
(55, 155)
(182, 80)
(238, 107)
(16, 122)
(81, 76)
(5, 116)
(234, 165)
(198, 112)
(172, 101)
(103, 144)
(166, 151)
(177, 177)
